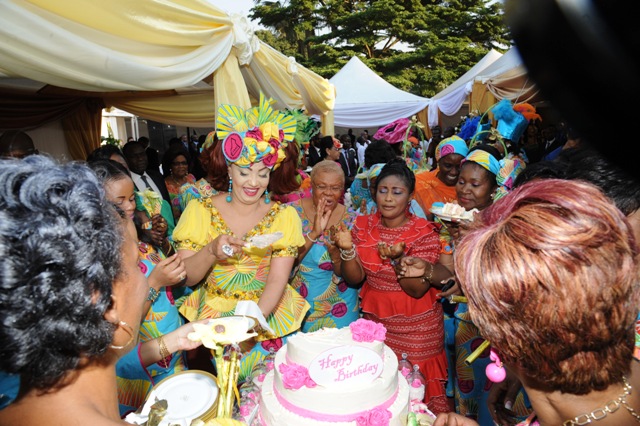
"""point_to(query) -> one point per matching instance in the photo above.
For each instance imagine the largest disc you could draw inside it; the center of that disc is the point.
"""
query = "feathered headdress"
(258, 134)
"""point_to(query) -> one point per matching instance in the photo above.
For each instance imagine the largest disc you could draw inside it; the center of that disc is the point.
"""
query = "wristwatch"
(153, 294)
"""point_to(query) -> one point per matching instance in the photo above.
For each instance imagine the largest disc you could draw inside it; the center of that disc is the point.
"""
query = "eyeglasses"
(324, 188)
(179, 163)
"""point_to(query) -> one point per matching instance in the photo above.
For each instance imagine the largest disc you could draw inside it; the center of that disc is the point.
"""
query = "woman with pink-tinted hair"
(551, 275)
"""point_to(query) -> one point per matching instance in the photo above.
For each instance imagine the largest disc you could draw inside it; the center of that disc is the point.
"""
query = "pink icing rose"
(294, 376)
(270, 365)
(261, 377)
(375, 417)
(364, 330)
(405, 371)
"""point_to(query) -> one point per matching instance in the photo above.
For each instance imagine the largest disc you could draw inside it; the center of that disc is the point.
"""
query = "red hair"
(283, 180)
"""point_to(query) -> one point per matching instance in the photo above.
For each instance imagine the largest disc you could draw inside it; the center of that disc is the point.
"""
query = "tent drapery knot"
(292, 65)
(245, 41)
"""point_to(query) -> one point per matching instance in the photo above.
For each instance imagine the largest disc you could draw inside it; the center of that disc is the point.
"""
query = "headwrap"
(528, 111)
(506, 170)
(511, 123)
(371, 173)
(510, 169)
(452, 145)
(258, 134)
(484, 159)
(393, 132)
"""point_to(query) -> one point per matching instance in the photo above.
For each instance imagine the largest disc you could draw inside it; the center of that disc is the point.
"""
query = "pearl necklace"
(610, 407)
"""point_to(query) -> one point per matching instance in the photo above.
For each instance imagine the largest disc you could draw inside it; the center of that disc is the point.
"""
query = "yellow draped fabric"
(116, 49)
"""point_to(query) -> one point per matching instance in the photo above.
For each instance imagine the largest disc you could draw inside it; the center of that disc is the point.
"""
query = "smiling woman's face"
(249, 183)
(475, 186)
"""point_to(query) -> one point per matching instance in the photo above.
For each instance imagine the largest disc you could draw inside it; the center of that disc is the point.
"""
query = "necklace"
(176, 181)
(610, 407)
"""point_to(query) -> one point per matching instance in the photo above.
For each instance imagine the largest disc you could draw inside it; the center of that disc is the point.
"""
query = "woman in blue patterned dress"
(333, 303)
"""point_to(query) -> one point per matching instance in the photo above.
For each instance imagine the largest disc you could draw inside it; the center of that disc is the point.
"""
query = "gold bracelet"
(426, 278)
(164, 352)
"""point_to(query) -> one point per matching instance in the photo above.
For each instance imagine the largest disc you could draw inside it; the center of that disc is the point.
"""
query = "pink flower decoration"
(294, 376)
(364, 330)
(270, 160)
(405, 371)
(274, 343)
(254, 134)
(375, 417)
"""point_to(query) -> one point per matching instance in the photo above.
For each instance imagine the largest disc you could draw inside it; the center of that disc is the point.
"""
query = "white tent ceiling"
(364, 99)
(450, 100)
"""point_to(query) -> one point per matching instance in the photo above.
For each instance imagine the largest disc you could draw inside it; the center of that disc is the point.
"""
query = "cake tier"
(302, 348)
(274, 413)
(340, 398)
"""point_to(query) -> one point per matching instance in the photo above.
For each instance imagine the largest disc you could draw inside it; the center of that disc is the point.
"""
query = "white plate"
(189, 394)
(252, 321)
(438, 212)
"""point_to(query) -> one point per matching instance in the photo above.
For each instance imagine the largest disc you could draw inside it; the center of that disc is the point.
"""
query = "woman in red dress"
(407, 307)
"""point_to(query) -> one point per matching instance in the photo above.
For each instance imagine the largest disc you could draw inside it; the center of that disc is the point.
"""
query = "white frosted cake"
(336, 377)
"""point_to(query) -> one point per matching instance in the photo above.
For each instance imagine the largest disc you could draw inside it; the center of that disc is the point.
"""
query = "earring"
(495, 371)
(229, 195)
(266, 197)
(127, 328)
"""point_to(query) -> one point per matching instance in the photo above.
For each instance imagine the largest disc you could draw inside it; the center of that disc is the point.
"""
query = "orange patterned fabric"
(430, 189)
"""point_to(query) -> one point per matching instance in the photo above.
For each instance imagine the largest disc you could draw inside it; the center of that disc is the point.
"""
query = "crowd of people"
(124, 252)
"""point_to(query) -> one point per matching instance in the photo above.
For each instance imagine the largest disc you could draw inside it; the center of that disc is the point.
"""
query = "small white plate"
(190, 394)
(252, 321)
(450, 218)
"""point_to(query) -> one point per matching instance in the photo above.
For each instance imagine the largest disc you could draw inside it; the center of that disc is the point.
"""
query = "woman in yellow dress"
(214, 234)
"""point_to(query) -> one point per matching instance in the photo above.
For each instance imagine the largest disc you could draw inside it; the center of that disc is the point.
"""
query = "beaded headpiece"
(257, 134)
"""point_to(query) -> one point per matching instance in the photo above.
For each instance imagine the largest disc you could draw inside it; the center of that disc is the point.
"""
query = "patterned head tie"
(452, 145)
(257, 134)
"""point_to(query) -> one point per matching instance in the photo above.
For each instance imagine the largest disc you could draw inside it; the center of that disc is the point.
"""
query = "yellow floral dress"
(242, 277)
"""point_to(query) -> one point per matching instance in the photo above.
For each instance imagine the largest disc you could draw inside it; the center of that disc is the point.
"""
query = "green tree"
(418, 46)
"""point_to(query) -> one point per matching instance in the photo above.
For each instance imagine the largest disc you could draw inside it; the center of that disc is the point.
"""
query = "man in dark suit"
(136, 156)
(348, 160)
(314, 151)
(551, 141)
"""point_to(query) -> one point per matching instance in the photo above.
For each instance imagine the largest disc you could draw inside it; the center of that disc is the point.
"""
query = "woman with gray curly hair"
(71, 294)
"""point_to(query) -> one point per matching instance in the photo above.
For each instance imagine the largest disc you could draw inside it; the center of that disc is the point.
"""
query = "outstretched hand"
(392, 251)
(411, 267)
(453, 419)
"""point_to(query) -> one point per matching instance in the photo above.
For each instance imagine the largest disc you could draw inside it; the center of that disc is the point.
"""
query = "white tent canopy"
(364, 99)
(506, 78)
(450, 100)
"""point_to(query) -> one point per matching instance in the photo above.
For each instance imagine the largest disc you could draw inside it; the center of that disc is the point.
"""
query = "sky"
(234, 6)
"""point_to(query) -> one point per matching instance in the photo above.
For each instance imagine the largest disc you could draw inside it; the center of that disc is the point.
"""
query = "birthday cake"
(335, 377)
